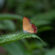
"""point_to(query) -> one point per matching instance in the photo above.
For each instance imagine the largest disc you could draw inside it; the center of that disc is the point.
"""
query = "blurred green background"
(13, 41)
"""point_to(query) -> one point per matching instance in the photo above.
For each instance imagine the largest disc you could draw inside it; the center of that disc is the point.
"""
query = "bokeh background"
(41, 13)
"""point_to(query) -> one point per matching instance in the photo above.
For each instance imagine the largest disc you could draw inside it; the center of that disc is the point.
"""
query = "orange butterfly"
(28, 27)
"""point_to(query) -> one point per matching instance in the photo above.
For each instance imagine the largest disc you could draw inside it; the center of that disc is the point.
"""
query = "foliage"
(14, 40)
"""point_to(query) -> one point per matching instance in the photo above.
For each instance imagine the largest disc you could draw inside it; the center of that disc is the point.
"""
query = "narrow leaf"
(17, 36)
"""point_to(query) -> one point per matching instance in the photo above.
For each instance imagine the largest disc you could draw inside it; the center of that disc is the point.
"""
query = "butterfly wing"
(27, 26)
(35, 28)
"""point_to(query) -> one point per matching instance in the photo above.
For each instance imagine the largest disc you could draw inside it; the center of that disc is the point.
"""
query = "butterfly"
(28, 26)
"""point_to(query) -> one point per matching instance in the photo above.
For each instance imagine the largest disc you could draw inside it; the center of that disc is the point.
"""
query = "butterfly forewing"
(27, 26)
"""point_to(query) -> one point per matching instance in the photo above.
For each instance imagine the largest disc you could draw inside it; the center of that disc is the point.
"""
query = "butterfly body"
(28, 26)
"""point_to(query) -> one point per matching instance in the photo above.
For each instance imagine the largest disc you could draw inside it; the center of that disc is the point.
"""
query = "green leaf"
(45, 16)
(18, 36)
(50, 52)
(45, 28)
(16, 48)
(40, 22)
(10, 17)
(7, 25)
